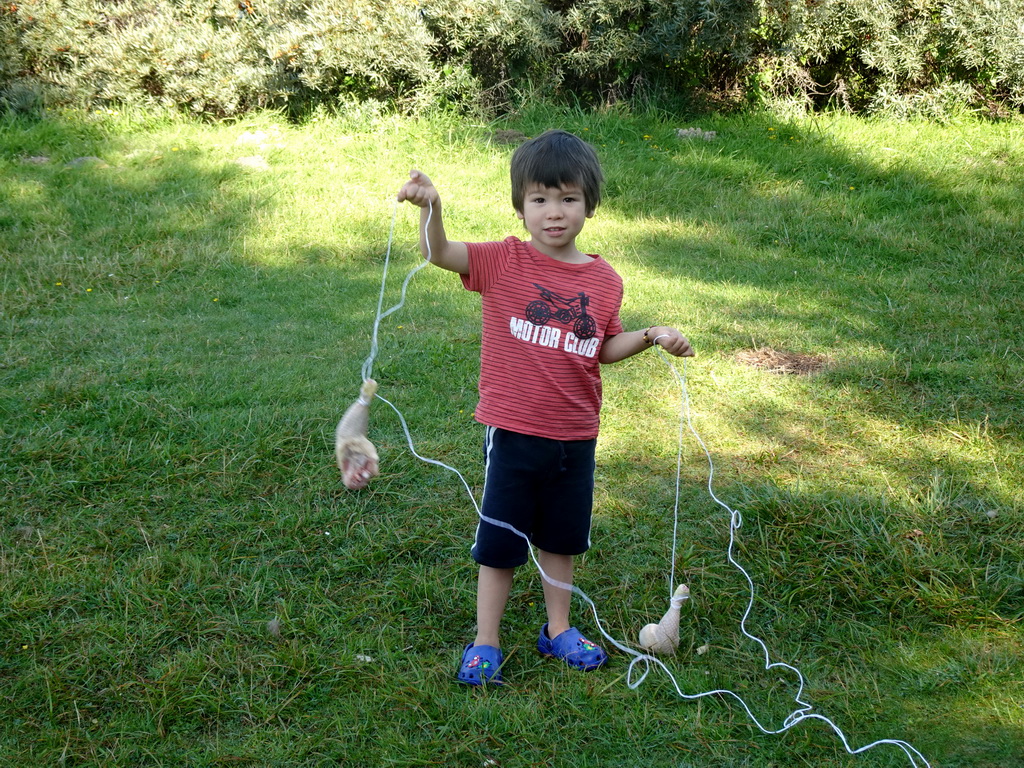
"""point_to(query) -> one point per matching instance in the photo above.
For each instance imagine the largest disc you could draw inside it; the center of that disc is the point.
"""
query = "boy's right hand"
(419, 190)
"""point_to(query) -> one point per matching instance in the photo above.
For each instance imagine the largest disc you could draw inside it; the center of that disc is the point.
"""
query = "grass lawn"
(185, 581)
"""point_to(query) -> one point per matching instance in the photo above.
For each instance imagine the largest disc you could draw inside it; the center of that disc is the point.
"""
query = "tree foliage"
(865, 51)
(223, 57)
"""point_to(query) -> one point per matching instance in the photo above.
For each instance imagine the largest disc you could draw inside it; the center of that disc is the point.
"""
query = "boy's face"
(554, 216)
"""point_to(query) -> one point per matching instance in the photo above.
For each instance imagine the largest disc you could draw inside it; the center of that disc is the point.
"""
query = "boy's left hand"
(671, 340)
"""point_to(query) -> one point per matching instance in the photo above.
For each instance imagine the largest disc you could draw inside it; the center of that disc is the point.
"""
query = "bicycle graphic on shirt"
(574, 310)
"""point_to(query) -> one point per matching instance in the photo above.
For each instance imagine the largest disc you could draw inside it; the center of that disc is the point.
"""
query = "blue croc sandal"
(481, 664)
(572, 648)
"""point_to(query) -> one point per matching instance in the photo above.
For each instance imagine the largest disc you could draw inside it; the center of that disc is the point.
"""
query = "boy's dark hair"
(556, 159)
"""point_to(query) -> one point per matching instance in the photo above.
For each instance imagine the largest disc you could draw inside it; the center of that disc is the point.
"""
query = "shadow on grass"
(170, 484)
(856, 257)
(947, 324)
(900, 294)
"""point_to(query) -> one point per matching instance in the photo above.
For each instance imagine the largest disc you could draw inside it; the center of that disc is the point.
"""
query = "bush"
(987, 41)
(858, 54)
(865, 53)
(941, 103)
(497, 42)
(223, 57)
(615, 46)
(362, 47)
(219, 57)
(190, 54)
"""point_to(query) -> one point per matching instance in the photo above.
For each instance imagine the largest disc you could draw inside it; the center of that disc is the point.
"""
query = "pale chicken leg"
(356, 455)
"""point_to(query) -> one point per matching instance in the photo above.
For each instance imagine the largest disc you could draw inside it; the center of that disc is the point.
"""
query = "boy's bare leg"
(556, 599)
(492, 591)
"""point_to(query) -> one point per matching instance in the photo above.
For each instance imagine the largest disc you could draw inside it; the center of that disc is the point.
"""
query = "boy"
(550, 318)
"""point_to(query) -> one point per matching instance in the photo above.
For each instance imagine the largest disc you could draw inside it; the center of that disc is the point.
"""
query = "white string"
(374, 346)
(803, 710)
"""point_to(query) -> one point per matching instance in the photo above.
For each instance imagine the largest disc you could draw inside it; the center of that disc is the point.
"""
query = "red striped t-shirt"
(544, 322)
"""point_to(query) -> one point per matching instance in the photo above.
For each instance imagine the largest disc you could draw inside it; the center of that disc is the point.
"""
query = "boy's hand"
(419, 190)
(672, 341)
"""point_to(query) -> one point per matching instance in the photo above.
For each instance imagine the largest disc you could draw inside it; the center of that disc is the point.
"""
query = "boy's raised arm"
(447, 254)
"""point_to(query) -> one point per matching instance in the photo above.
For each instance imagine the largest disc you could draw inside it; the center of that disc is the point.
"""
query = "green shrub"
(941, 103)
(190, 54)
(875, 53)
(987, 40)
(931, 55)
(497, 42)
(362, 47)
(223, 57)
(219, 57)
(617, 45)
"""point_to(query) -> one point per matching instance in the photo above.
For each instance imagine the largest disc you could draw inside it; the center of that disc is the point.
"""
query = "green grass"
(181, 333)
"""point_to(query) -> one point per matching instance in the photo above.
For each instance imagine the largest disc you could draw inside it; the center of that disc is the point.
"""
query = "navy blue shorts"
(543, 488)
